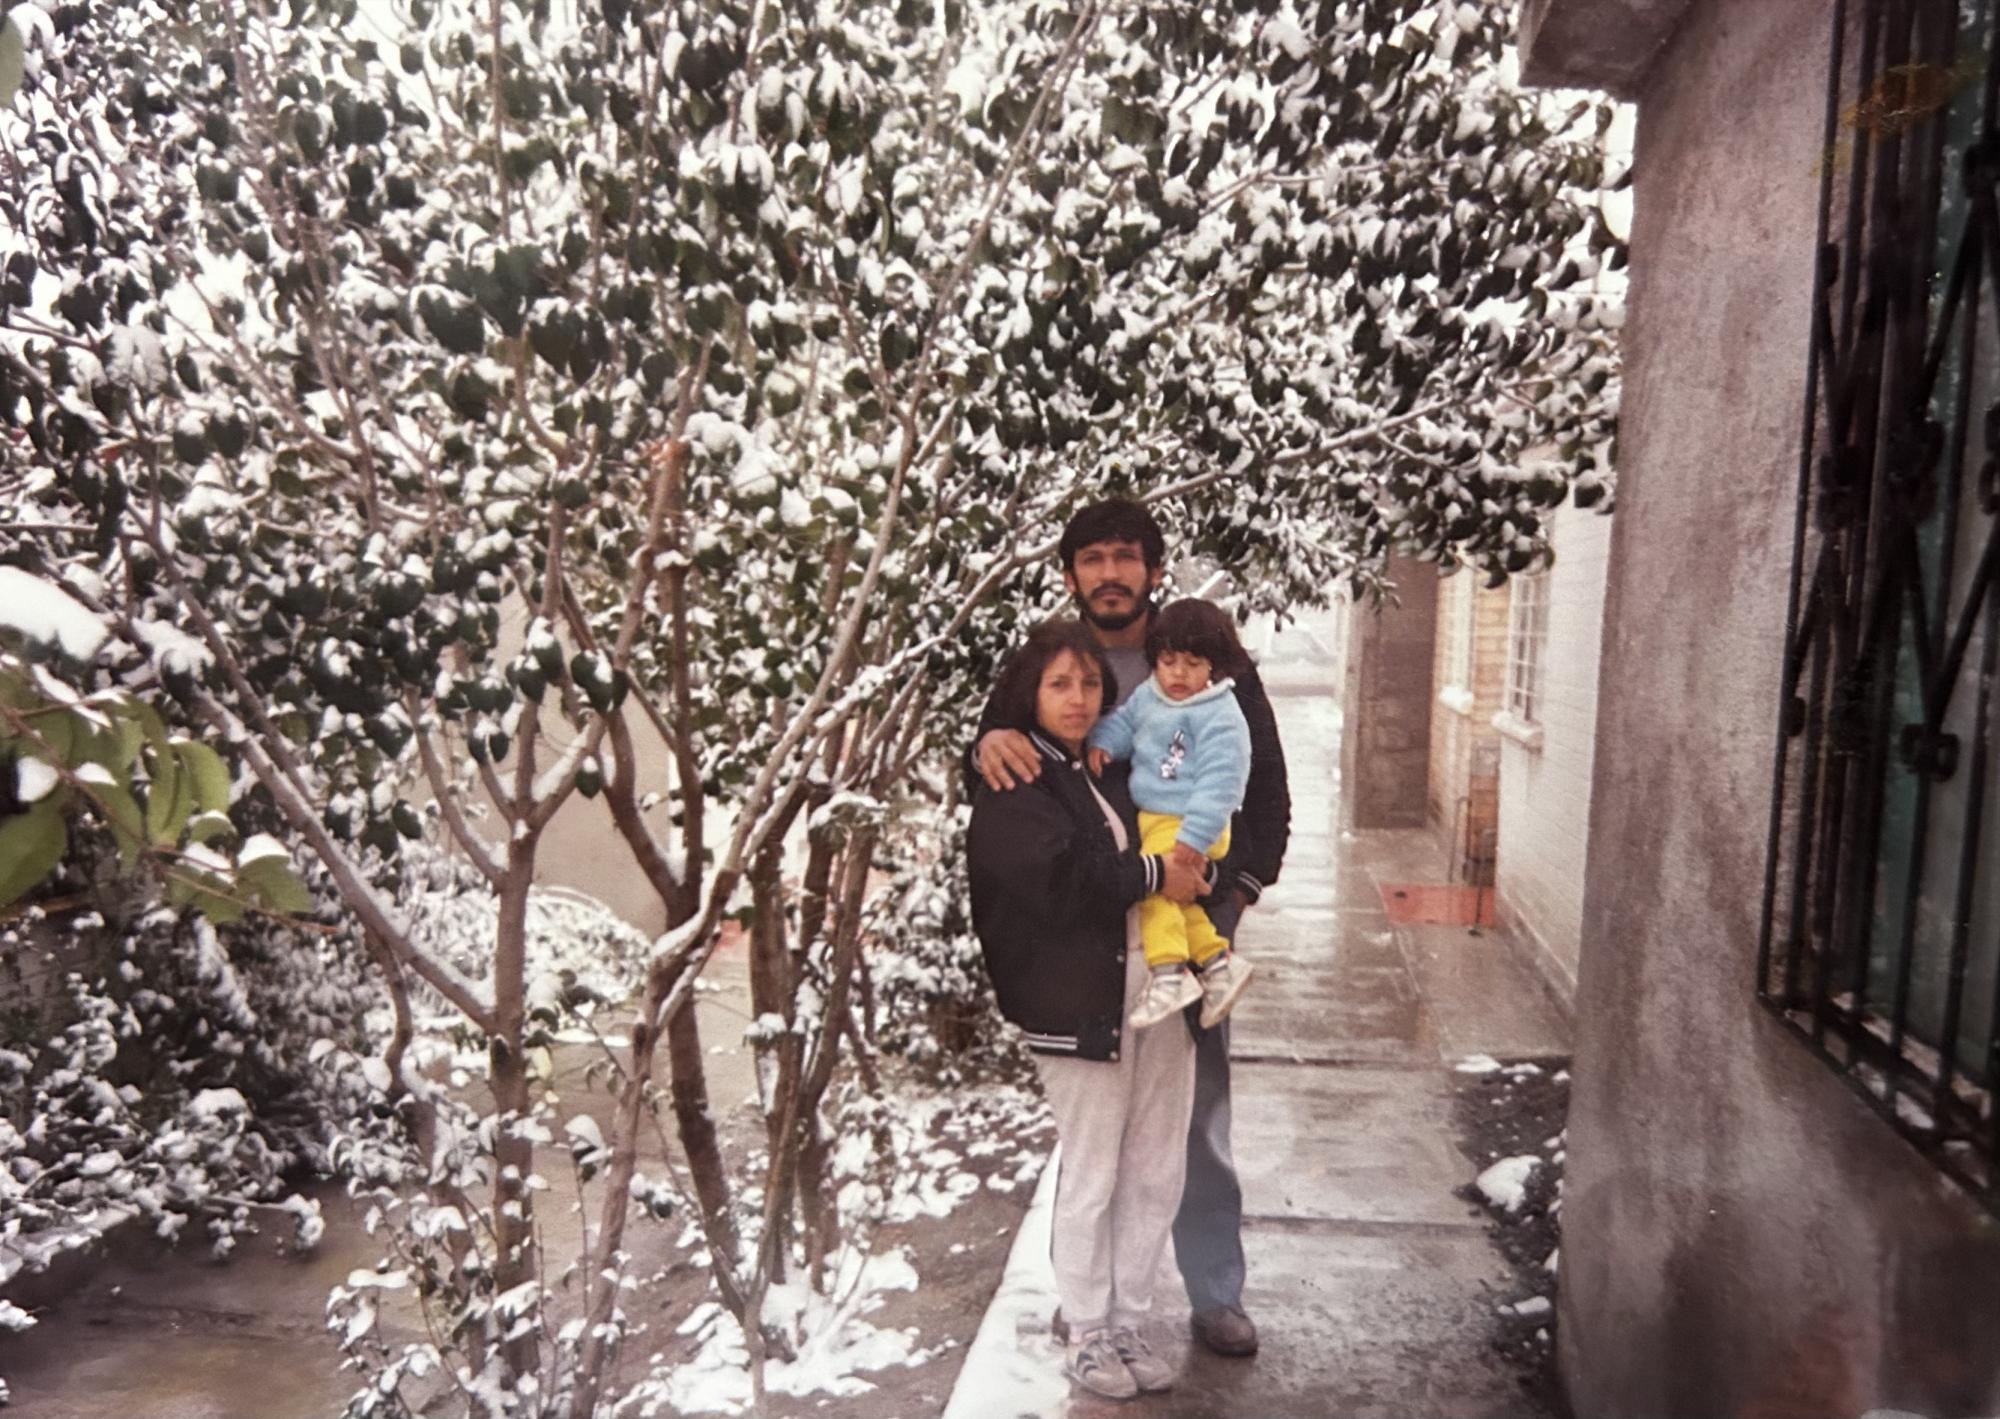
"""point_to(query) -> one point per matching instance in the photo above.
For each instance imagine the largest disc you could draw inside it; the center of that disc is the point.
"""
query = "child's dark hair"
(1016, 694)
(1112, 520)
(1193, 626)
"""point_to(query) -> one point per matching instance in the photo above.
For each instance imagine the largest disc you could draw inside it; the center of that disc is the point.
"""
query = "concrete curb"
(1013, 1368)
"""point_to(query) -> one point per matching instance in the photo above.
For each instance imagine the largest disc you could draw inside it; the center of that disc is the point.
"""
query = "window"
(1527, 646)
(1881, 910)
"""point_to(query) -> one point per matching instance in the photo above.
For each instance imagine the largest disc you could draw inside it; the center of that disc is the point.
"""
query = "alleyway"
(1372, 1284)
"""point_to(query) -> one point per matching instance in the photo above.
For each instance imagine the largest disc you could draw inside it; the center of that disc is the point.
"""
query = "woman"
(1054, 879)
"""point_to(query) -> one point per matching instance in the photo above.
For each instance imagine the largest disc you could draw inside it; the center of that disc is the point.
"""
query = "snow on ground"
(1529, 1308)
(930, 1136)
(839, 1343)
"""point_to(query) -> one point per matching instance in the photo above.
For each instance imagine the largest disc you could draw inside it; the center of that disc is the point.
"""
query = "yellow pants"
(1173, 934)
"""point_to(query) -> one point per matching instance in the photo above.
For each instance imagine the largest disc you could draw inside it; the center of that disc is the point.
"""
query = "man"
(1112, 562)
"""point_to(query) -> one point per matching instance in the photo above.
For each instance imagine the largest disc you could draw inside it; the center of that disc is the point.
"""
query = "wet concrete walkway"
(1372, 1285)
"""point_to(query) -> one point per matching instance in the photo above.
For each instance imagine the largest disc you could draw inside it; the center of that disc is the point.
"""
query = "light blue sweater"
(1190, 759)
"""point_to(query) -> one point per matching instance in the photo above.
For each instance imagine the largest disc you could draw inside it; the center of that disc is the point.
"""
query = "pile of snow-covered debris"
(1511, 1122)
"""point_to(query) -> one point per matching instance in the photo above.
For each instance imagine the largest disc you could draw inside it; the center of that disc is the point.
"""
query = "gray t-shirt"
(1128, 668)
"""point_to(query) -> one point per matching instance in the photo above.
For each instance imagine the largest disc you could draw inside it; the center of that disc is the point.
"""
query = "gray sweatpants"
(1123, 1126)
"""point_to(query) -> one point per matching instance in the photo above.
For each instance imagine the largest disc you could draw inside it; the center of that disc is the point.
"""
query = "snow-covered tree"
(749, 357)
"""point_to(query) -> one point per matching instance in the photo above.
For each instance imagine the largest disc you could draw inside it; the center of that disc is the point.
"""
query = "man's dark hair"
(1113, 520)
(1020, 684)
(1196, 627)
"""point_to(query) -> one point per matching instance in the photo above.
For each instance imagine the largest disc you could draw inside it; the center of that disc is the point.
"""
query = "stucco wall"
(1545, 792)
(1741, 1234)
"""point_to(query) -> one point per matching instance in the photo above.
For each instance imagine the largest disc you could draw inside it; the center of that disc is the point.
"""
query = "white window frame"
(1528, 648)
(1456, 692)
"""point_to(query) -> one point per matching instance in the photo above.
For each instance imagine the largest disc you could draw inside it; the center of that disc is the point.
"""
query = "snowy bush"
(158, 1067)
(933, 1000)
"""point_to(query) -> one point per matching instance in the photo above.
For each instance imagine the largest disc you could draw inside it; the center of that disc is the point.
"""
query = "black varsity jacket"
(1050, 891)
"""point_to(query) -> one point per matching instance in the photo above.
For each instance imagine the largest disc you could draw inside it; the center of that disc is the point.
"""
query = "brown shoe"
(1225, 1330)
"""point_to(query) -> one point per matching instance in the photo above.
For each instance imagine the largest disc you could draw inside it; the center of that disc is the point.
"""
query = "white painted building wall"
(1545, 770)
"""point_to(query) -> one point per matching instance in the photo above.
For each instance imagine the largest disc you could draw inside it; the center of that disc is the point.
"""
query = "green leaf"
(274, 886)
(126, 736)
(128, 824)
(207, 826)
(12, 60)
(457, 325)
(206, 894)
(209, 774)
(31, 844)
(153, 728)
(59, 733)
(169, 798)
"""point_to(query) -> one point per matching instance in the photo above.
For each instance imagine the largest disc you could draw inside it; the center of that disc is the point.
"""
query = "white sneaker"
(1167, 993)
(1221, 983)
(1147, 1369)
(1094, 1363)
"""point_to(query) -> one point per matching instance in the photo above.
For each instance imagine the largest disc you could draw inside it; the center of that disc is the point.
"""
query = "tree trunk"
(803, 1152)
(516, 1256)
(699, 1139)
(771, 987)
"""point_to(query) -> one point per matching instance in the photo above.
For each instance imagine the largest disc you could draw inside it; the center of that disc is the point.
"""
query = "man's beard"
(1142, 606)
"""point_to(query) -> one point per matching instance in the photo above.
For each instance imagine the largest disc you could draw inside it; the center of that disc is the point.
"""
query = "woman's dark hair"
(1112, 520)
(1014, 697)
(1196, 627)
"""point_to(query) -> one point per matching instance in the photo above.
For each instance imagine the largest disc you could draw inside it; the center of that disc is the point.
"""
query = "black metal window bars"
(1881, 912)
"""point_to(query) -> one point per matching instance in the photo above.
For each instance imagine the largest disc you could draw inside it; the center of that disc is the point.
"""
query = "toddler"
(1190, 751)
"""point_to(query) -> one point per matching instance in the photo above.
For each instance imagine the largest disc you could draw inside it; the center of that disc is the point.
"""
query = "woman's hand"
(1005, 758)
(1181, 883)
(1097, 759)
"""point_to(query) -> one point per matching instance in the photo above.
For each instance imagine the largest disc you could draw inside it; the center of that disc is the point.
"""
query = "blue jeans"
(1208, 1229)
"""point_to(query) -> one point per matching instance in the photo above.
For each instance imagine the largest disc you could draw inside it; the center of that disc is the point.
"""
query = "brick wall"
(1545, 792)
(1388, 695)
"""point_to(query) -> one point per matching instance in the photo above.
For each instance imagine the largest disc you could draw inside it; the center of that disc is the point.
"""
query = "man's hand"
(1179, 882)
(1188, 857)
(1005, 759)
(1097, 759)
